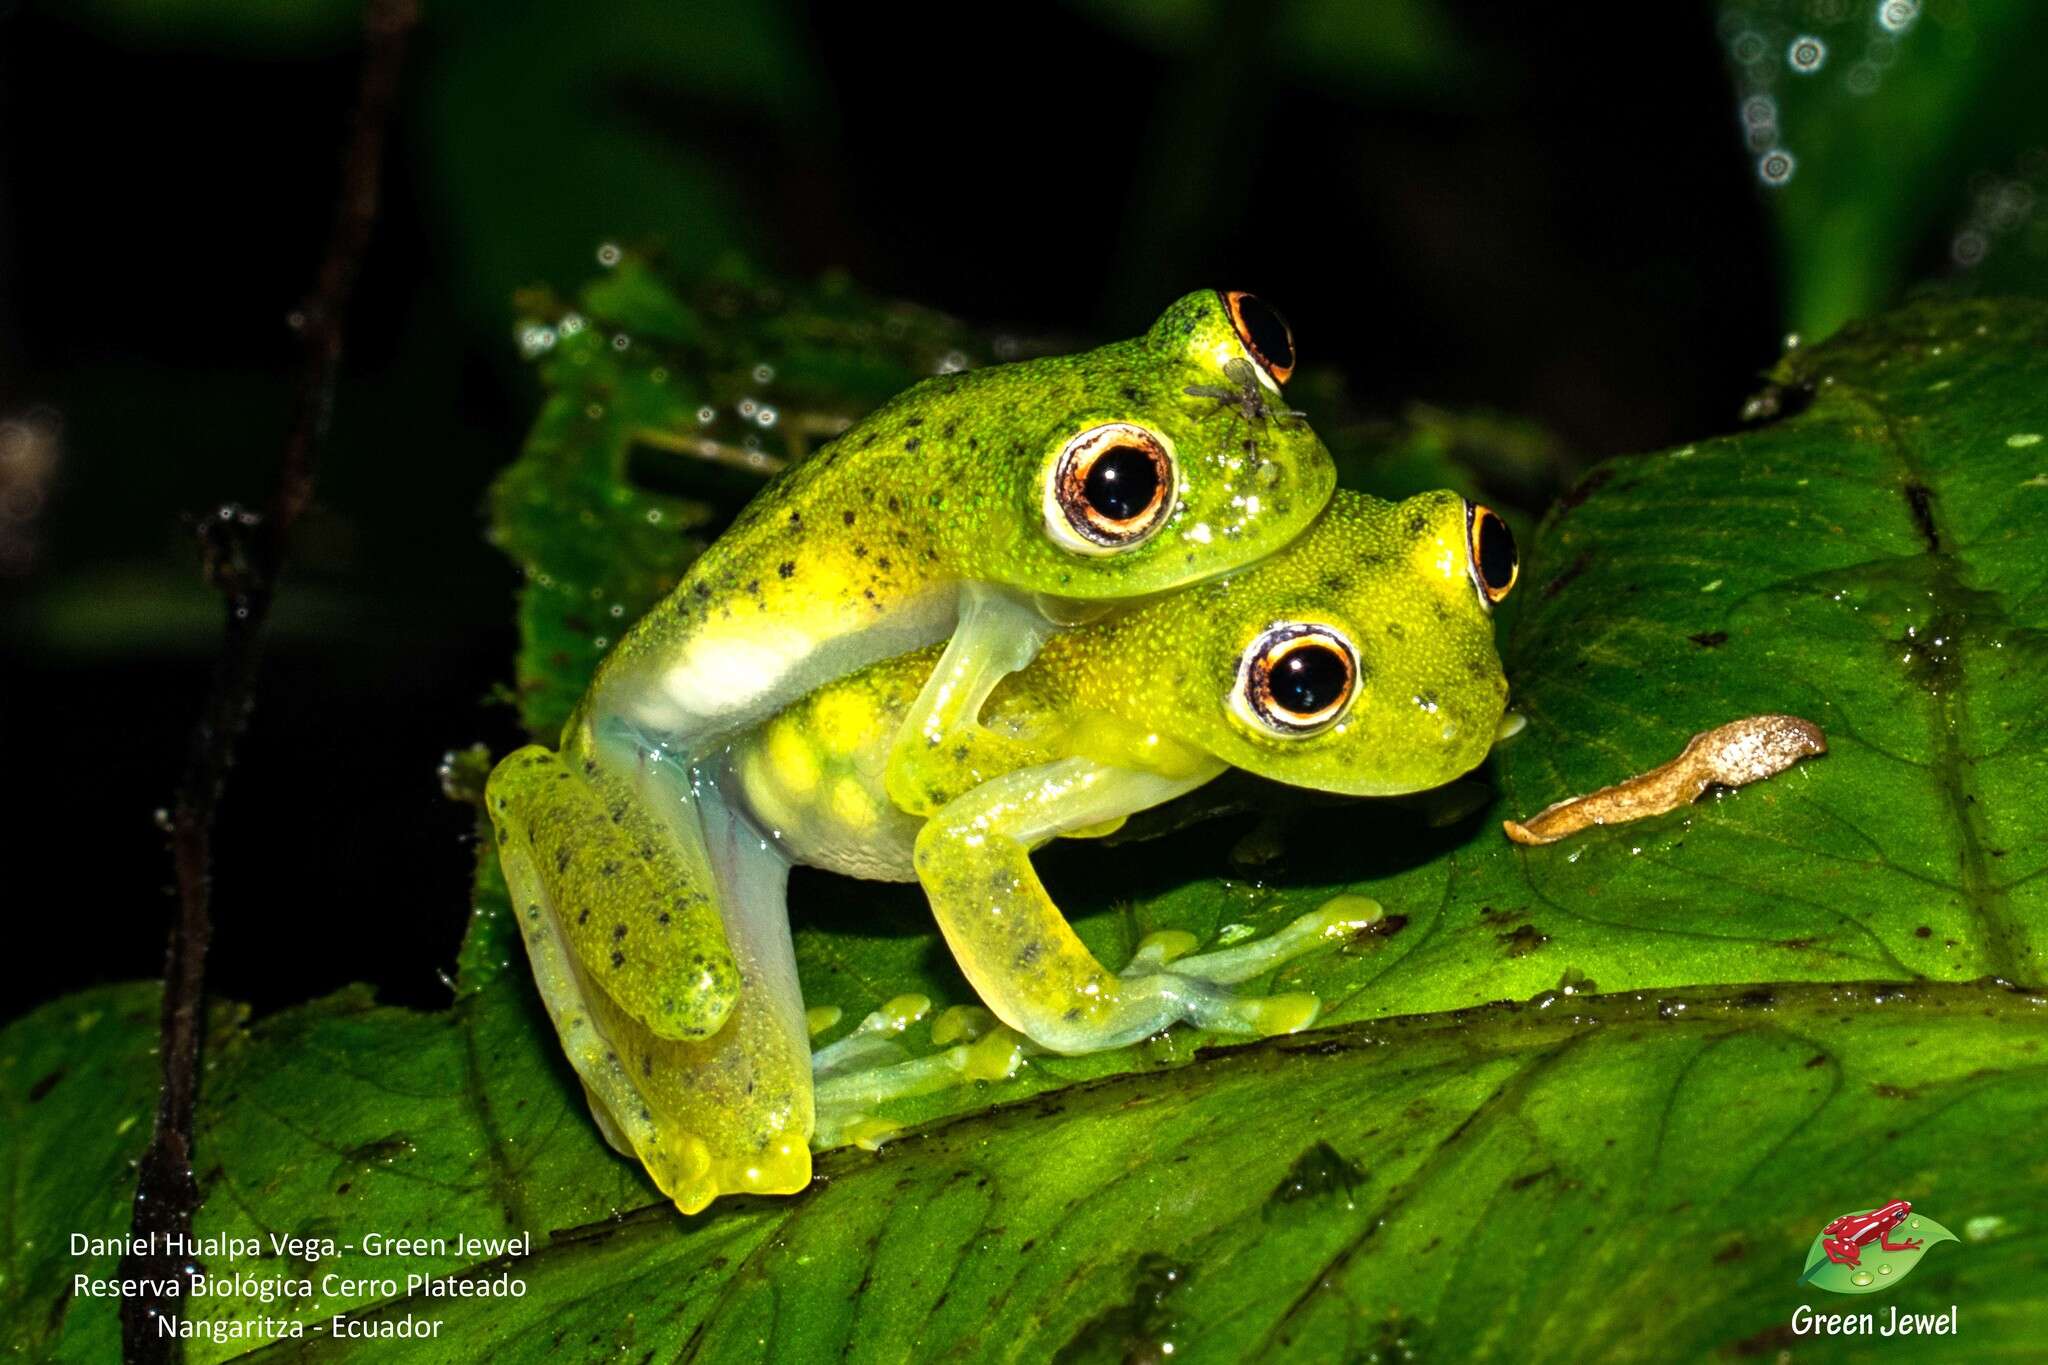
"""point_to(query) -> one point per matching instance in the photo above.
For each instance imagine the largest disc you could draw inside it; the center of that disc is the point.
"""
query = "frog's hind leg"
(628, 883)
(707, 1116)
(1025, 960)
(868, 1068)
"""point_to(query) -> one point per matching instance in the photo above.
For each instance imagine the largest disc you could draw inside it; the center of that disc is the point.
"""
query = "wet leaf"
(1578, 1176)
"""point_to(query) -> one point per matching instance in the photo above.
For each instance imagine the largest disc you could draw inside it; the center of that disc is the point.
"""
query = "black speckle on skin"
(647, 1065)
(883, 564)
(662, 918)
(583, 917)
(618, 933)
(786, 569)
(618, 958)
(45, 1085)
(562, 856)
(1417, 524)
(910, 446)
(913, 421)
(1709, 639)
(847, 518)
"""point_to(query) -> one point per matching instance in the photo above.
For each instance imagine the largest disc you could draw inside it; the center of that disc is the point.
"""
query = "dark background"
(1539, 210)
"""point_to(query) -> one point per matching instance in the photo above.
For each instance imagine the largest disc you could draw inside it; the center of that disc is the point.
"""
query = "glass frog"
(1358, 660)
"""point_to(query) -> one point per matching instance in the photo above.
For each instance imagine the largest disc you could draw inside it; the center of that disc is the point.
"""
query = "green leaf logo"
(1874, 1268)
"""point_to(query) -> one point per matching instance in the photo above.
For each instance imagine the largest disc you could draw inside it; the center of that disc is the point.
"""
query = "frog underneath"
(1360, 660)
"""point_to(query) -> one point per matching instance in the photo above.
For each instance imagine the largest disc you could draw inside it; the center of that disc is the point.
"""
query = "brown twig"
(244, 552)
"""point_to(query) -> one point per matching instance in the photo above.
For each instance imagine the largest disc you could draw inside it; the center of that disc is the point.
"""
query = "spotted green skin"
(859, 552)
(720, 1101)
(1151, 688)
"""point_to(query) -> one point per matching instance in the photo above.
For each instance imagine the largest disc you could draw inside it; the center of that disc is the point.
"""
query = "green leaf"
(1876, 1269)
(1882, 128)
(1578, 1176)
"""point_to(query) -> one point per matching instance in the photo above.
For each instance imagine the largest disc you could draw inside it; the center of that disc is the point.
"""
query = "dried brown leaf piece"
(1731, 755)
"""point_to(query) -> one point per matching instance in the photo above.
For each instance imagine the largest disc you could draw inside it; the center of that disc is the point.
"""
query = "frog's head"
(1137, 467)
(1361, 659)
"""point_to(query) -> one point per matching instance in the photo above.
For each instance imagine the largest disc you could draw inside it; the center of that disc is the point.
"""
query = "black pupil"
(1308, 679)
(1122, 483)
(1265, 331)
(1496, 552)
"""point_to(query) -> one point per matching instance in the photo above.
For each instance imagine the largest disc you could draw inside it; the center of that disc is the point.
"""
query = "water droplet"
(1885, 1269)
(1969, 247)
(621, 342)
(706, 416)
(1807, 54)
(536, 340)
(1760, 111)
(766, 416)
(1862, 79)
(1775, 167)
(1862, 1277)
(608, 254)
(1896, 16)
(763, 373)
(1748, 47)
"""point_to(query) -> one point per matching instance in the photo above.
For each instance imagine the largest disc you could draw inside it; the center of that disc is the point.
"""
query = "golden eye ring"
(1264, 333)
(1296, 679)
(1490, 546)
(1112, 486)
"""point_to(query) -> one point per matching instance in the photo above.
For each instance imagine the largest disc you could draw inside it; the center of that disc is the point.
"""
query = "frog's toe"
(689, 1173)
(1332, 922)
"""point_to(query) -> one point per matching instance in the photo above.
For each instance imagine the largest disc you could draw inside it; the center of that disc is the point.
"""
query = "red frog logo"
(1857, 1254)
(1844, 1239)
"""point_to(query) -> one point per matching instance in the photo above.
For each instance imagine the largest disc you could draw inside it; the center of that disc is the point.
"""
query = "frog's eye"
(1296, 679)
(1264, 333)
(1111, 487)
(1495, 566)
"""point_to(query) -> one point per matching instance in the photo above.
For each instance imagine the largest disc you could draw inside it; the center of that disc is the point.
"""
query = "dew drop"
(1806, 55)
(1775, 167)
(1862, 1277)
(608, 254)
(1885, 1269)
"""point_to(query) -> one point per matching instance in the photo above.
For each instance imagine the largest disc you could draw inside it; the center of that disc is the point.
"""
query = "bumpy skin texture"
(1110, 718)
(858, 553)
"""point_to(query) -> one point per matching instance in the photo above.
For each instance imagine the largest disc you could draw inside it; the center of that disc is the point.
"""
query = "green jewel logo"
(1872, 1249)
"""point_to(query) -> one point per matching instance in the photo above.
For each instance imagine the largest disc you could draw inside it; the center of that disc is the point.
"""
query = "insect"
(1247, 395)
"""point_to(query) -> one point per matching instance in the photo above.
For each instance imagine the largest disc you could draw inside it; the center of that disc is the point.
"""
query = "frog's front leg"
(997, 633)
(1026, 962)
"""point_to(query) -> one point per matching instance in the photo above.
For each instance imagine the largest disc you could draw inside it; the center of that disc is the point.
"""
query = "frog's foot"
(1163, 985)
(869, 1067)
(686, 1168)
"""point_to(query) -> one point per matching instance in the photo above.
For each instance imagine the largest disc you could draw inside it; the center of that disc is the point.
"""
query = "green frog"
(988, 509)
(1358, 660)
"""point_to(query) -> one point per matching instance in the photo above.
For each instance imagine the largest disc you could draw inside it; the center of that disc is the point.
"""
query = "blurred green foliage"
(1895, 139)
